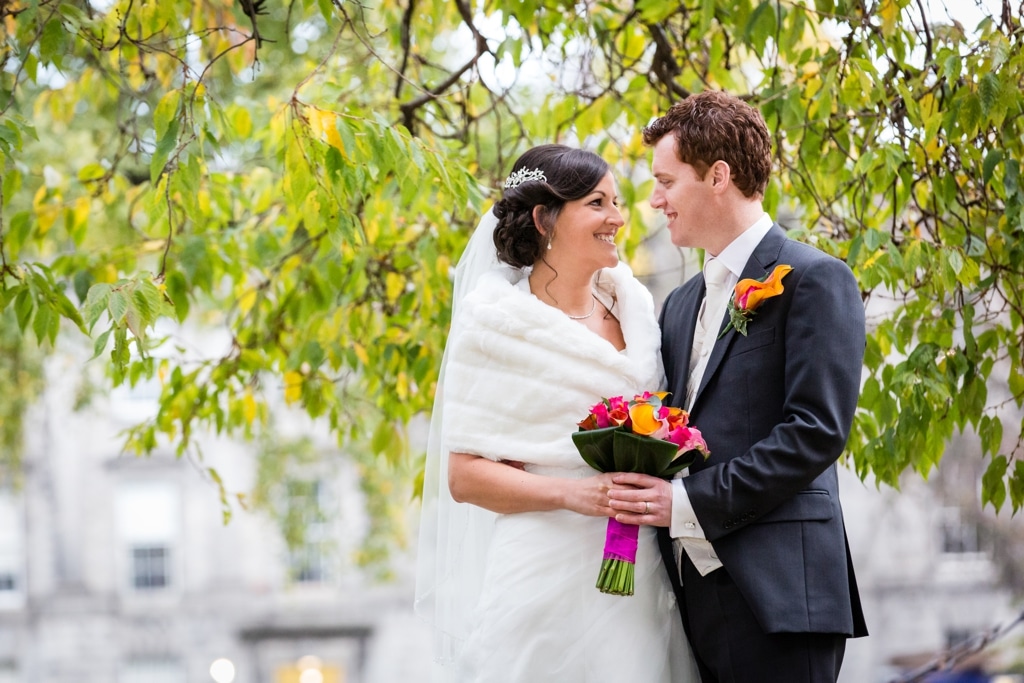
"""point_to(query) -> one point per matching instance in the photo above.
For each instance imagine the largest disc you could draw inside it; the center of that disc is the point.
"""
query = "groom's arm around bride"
(755, 534)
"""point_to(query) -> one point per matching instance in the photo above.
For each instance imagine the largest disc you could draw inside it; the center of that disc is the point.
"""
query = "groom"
(753, 537)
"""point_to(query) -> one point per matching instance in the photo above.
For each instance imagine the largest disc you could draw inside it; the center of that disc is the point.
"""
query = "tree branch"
(949, 658)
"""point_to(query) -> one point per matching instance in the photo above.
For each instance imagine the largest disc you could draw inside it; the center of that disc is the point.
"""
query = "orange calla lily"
(645, 422)
(750, 294)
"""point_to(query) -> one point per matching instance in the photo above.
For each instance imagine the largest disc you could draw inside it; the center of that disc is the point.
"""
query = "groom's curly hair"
(714, 126)
(569, 174)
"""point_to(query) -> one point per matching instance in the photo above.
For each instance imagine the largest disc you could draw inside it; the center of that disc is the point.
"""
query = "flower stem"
(616, 577)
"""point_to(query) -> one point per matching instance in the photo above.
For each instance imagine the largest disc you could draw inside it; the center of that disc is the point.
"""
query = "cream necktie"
(716, 278)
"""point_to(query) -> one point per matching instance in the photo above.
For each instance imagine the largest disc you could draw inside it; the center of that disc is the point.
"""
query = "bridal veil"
(453, 537)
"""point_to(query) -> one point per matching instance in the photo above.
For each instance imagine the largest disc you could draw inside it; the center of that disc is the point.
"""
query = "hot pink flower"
(688, 439)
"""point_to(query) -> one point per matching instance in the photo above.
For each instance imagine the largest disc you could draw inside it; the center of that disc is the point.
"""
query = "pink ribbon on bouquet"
(620, 541)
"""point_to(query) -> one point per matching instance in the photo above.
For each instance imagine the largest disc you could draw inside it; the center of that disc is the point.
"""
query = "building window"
(151, 671)
(148, 520)
(957, 636)
(309, 668)
(310, 546)
(12, 550)
(960, 536)
(9, 671)
(150, 567)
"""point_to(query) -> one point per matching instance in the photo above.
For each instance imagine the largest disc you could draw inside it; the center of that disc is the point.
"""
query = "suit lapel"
(765, 255)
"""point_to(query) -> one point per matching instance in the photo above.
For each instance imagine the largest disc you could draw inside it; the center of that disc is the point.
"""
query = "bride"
(513, 519)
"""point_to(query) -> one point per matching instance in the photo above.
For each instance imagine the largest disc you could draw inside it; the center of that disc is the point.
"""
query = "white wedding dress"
(540, 618)
(513, 597)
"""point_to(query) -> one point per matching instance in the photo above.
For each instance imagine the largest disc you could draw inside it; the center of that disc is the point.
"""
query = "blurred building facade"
(118, 569)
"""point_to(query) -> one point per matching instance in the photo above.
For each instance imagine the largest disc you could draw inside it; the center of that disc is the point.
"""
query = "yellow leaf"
(292, 387)
(108, 274)
(872, 259)
(81, 210)
(278, 125)
(809, 70)
(612, 154)
(444, 265)
(635, 146)
(247, 300)
(166, 110)
(243, 122)
(890, 12)
(395, 284)
(311, 209)
(290, 265)
(249, 407)
(371, 228)
(402, 385)
(46, 215)
(325, 125)
(205, 204)
(361, 354)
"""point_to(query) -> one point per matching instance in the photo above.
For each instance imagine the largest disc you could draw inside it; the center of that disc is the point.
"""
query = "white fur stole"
(521, 374)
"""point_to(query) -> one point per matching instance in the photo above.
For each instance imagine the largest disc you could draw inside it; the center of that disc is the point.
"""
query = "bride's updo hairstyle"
(547, 176)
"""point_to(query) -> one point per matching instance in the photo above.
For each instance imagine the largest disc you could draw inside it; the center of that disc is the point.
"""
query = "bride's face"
(584, 233)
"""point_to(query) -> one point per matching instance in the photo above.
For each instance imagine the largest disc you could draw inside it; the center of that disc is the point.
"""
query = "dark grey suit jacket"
(775, 408)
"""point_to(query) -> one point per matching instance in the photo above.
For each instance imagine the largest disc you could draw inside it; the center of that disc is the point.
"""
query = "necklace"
(585, 315)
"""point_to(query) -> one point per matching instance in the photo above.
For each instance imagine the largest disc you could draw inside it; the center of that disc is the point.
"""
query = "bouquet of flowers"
(639, 435)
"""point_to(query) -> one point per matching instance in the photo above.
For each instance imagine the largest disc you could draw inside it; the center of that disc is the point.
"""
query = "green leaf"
(32, 67)
(991, 432)
(993, 488)
(596, 447)
(681, 462)
(11, 184)
(18, 233)
(67, 309)
(24, 308)
(971, 113)
(73, 15)
(1011, 179)
(656, 11)
(989, 90)
(100, 345)
(163, 151)
(761, 24)
(41, 323)
(165, 112)
(117, 306)
(96, 303)
(636, 453)
(326, 10)
(992, 159)
(52, 43)
(1017, 486)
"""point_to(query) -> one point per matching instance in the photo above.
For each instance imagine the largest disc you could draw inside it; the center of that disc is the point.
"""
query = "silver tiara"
(525, 176)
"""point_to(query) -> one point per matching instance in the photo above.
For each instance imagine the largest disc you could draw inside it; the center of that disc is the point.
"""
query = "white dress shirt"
(685, 528)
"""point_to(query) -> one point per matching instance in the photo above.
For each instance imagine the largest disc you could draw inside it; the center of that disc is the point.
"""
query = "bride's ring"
(647, 507)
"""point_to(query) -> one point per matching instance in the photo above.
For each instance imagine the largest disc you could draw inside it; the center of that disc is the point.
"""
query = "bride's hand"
(589, 496)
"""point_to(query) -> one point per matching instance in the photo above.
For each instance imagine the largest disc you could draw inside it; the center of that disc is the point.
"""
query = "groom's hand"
(645, 500)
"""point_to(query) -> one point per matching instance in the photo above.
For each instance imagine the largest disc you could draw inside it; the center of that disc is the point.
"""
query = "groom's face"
(681, 194)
